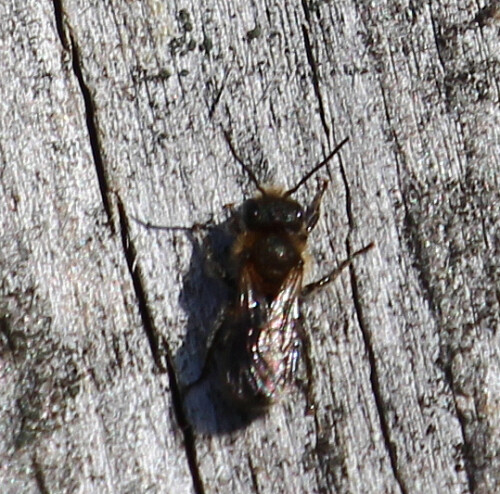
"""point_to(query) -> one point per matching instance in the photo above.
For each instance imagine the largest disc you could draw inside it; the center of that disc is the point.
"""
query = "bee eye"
(251, 213)
(294, 218)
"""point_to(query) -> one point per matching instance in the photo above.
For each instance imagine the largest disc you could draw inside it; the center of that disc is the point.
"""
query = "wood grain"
(111, 111)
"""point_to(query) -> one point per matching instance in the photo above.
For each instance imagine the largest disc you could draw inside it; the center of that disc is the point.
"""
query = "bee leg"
(207, 225)
(312, 212)
(316, 285)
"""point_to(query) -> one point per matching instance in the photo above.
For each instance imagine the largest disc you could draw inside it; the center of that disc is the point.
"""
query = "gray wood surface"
(115, 110)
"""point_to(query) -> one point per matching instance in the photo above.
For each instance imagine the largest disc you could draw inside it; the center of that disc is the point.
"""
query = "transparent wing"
(275, 347)
(261, 343)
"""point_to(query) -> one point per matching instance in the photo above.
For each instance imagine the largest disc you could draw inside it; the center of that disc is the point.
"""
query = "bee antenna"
(249, 172)
(308, 175)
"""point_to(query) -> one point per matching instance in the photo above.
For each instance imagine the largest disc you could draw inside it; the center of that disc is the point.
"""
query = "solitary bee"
(258, 345)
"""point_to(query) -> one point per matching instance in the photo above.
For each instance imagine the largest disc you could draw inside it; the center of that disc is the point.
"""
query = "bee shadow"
(206, 290)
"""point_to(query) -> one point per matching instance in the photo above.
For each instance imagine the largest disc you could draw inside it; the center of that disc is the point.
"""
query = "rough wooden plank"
(405, 344)
(82, 407)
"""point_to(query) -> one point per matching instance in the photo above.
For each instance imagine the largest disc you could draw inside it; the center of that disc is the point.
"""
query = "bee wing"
(262, 340)
(286, 302)
(277, 344)
(251, 302)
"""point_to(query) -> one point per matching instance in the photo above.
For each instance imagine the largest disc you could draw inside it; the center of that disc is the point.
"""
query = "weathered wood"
(116, 110)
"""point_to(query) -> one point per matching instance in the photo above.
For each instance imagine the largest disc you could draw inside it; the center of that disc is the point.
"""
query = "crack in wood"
(93, 134)
(375, 383)
(160, 351)
(315, 79)
(58, 14)
(39, 477)
(136, 275)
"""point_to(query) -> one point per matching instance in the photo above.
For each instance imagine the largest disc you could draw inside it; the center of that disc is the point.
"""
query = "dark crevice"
(374, 380)
(136, 275)
(6, 331)
(89, 108)
(93, 133)
(369, 347)
(218, 95)
(39, 477)
(307, 12)
(315, 79)
(375, 383)
(161, 353)
(348, 207)
(58, 14)
(437, 39)
(187, 430)
(253, 476)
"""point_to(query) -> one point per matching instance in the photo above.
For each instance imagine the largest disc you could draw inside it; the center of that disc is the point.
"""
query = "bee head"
(272, 212)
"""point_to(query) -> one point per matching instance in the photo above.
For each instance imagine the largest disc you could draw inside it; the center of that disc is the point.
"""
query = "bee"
(258, 345)
(259, 342)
